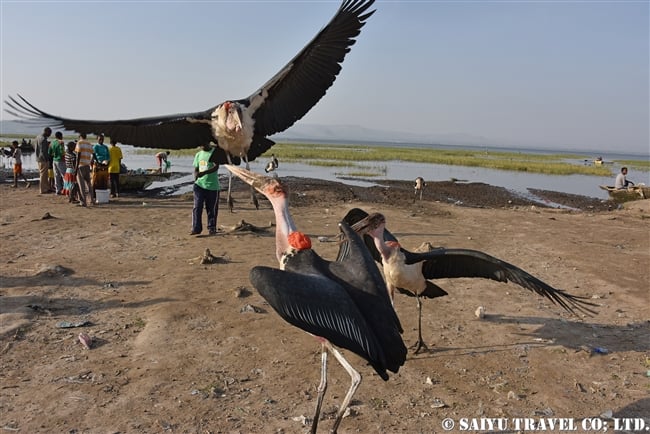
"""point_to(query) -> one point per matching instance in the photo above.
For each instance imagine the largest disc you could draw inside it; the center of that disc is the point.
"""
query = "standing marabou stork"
(272, 164)
(419, 187)
(239, 128)
(344, 303)
(409, 272)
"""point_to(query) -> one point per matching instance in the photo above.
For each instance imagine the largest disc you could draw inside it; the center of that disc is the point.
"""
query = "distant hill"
(355, 133)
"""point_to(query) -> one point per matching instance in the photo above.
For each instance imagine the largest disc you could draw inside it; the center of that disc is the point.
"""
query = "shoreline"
(468, 194)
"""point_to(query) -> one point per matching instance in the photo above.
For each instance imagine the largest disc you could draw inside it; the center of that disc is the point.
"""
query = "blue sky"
(563, 75)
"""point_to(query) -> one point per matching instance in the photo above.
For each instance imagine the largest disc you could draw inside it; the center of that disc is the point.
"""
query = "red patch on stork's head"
(392, 244)
(299, 241)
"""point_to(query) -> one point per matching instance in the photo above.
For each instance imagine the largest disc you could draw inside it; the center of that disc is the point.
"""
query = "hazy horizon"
(556, 75)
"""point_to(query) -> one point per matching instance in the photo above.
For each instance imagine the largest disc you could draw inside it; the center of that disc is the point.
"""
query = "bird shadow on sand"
(578, 334)
(35, 305)
(575, 335)
(53, 279)
(640, 409)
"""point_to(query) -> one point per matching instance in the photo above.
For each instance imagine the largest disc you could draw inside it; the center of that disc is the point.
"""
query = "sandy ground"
(184, 347)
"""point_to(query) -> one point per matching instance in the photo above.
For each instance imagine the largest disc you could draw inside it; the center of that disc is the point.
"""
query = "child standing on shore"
(18, 164)
(70, 187)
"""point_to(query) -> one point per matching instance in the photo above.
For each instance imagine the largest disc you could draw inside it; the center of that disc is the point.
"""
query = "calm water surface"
(398, 170)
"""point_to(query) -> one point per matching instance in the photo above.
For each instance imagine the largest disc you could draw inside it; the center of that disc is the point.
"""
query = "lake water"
(398, 170)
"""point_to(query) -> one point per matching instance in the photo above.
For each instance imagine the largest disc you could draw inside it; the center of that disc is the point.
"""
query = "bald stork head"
(231, 113)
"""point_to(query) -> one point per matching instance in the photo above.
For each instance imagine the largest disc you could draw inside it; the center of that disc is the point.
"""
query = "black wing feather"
(321, 307)
(443, 263)
(298, 86)
(179, 131)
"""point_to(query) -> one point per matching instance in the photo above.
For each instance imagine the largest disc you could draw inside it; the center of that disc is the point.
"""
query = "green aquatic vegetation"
(550, 164)
(635, 164)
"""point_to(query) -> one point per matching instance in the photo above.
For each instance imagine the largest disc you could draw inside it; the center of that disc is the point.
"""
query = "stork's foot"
(419, 346)
(231, 203)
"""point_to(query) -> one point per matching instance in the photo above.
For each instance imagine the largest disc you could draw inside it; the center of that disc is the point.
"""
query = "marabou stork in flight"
(239, 127)
(343, 303)
(410, 272)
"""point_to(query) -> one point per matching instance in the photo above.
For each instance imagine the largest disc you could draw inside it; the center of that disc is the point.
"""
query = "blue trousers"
(209, 199)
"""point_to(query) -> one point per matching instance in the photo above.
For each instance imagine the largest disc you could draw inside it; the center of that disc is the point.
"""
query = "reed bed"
(330, 155)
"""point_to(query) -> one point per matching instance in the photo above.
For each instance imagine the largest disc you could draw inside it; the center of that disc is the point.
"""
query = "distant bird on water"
(240, 127)
(343, 303)
(409, 272)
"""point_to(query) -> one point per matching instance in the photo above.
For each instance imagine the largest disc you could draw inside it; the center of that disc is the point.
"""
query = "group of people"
(78, 168)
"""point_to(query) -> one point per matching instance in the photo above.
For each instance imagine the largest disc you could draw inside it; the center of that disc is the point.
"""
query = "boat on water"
(135, 180)
(636, 192)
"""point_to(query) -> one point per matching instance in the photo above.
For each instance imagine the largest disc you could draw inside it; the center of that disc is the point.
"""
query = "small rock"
(242, 292)
(438, 403)
(251, 308)
(85, 340)
(513, 395)
(607, 414)
(480, 312)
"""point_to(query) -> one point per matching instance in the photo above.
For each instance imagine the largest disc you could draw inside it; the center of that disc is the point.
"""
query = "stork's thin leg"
(322, 387)
(420, 343)
(355, 378)
(253, 195)
(229, 197)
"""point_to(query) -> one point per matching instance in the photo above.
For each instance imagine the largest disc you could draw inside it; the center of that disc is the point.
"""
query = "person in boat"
(621, 180)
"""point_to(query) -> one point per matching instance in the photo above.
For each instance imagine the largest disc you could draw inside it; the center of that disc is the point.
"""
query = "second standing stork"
(410, 272)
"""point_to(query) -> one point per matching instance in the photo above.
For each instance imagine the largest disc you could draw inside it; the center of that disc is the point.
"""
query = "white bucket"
(102, 196)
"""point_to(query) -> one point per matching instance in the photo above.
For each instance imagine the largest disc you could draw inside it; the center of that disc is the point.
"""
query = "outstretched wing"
(277, 105)
(442, 263)
(179, 131)
(302, 82)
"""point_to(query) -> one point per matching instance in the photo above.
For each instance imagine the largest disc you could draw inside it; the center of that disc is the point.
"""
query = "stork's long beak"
(368, 224)
(276, 193)
(255, 180)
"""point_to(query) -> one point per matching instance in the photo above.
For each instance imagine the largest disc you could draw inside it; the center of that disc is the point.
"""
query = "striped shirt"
(70, 160)
(84, 152)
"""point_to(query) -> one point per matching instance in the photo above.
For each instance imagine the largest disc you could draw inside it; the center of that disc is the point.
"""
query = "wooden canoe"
(636, 192)
(133, 181)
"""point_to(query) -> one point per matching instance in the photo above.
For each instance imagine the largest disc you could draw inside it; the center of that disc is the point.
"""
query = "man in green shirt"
(56, 152)
(206, 189)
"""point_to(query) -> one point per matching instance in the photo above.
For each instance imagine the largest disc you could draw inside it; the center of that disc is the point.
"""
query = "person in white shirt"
(621, 181)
